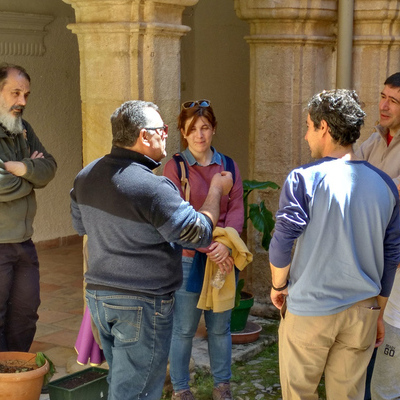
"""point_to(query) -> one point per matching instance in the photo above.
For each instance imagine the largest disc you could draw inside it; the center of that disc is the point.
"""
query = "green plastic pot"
(95, 388)
(241, 313)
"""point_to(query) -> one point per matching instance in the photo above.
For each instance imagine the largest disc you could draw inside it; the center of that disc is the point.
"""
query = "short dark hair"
(5, 68)
(196, 112)
(128, 120)
(341, 109)
(393, 80)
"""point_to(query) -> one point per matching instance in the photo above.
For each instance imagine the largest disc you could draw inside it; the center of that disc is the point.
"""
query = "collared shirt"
(216, 158)
(386, 157)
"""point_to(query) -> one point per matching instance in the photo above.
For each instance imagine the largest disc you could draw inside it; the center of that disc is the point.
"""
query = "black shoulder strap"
(229, 165)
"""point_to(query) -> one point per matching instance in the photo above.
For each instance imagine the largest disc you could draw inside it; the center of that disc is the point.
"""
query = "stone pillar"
(292, 56)
(129, 50)
(376, 52)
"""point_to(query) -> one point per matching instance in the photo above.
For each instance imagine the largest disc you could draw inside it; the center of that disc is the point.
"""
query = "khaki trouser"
(339, 345)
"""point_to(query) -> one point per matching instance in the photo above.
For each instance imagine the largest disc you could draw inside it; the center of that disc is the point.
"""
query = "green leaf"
(40, 361)
(256, 217)
(262, 220)
(267, 217)
(252, 185)
(266, 240)
(239, 289)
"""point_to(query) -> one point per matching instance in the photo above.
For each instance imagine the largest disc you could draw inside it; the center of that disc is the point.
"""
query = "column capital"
(376, 21)
(105, 28)
(259, 10)
(164, 11)
(285, 22)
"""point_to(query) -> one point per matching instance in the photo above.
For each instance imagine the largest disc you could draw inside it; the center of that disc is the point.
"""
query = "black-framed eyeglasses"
(200, 103)
(163, 129)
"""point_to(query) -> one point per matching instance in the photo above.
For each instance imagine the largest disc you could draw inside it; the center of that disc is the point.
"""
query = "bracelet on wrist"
(281, 288)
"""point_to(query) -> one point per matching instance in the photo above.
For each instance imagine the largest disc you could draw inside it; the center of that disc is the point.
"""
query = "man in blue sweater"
(344, 214)
(136, 223)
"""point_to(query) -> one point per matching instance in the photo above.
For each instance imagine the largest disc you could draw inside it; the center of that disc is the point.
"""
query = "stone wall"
(34, 35)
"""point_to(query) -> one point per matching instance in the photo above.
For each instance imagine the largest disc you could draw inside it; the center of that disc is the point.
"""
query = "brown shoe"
(184, 395)
(222, 392)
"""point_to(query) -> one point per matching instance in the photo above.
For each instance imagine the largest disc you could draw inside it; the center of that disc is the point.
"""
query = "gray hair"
(5, 68)
(128, 120)
(341, 109)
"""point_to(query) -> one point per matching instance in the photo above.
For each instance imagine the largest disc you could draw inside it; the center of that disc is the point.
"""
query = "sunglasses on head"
(200, 103)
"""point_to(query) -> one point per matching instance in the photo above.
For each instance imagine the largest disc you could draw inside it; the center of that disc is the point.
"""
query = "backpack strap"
(183, 174)
(229, 165)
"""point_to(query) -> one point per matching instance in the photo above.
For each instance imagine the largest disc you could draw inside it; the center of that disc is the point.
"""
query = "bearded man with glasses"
(136, 223)
(25, 165)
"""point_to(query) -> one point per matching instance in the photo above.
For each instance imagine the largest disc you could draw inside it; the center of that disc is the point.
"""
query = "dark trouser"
(370, 369)
(19, 295)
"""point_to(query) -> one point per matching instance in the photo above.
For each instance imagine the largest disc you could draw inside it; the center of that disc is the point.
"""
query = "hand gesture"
(223, 181)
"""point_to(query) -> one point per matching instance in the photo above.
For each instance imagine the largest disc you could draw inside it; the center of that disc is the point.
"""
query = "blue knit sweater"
(136, 223)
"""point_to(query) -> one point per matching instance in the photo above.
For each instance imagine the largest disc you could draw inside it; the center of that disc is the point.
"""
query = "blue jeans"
(186, 320)
(135, 333)
(19, 295)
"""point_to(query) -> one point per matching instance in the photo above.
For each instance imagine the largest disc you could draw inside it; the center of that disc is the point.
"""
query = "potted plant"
(88, 384)
(243, 302)
(261, 218)
(22, 375)
(263, 221)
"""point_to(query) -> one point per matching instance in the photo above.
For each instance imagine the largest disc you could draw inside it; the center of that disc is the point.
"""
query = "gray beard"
(11, 123)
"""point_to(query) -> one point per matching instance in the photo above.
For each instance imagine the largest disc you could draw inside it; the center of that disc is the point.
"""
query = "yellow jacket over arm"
(223, 299)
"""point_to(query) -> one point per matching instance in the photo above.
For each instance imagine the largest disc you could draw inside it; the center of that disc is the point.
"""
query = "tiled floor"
(61, 310)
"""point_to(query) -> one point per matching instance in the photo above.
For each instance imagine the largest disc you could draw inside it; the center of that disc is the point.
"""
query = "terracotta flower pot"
(22, 385)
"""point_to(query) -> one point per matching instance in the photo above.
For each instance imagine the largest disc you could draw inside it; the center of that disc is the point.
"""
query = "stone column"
(376, 52)
(292, 56)
(129, 50)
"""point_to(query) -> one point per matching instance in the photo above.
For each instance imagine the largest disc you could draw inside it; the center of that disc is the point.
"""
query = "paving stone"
(254, 362)
(276, 385)
(258, 386)
(241, 352)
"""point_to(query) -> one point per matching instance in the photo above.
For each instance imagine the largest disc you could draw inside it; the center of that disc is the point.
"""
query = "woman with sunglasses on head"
(197, 124)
